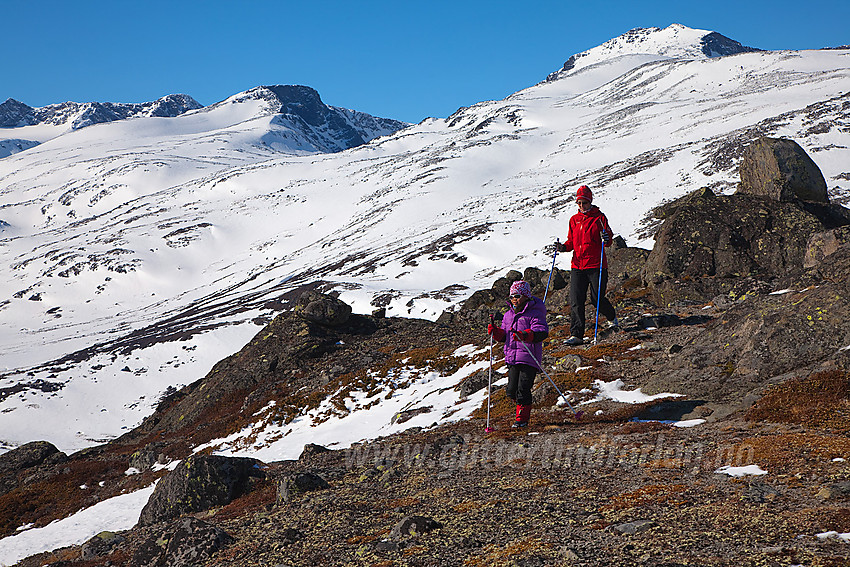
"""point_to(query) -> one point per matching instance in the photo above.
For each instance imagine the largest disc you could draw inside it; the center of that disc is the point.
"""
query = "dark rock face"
(145, 458)
(301, 107)
(188, 542)
(197, 484)
(781, 170)
(766, 337)
(14, 114)
(715, 45)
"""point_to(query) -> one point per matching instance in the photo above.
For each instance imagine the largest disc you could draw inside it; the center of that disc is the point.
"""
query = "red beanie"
(584, 193)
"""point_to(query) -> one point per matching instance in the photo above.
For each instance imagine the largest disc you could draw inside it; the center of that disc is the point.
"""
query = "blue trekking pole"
(599, 287)
(554, 256)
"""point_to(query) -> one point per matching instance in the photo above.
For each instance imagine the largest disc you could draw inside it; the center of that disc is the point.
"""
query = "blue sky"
(400, 59)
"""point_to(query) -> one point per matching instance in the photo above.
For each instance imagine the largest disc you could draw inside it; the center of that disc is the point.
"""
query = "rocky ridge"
(14, 114)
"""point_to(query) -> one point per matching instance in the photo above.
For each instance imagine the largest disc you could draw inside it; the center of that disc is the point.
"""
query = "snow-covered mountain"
(23, 127)
(137, 253)
(673, 42)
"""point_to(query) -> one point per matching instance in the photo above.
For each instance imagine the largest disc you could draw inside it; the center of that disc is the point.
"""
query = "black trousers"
(580, 280)
(520, 381)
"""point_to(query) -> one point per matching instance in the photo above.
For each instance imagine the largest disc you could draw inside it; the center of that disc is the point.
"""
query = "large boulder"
(726, 236)
(197, 484)
(323, 309)
(28, 456)
(781, 170)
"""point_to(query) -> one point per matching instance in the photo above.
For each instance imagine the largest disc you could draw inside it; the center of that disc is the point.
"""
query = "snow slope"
(135, 254)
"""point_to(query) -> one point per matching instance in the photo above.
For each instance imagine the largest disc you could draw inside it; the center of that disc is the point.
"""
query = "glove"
(526, 336)
(607, 235)
(496, 332)
(551, 249)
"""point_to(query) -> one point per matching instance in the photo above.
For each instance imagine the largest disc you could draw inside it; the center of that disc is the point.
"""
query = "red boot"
(523, 414)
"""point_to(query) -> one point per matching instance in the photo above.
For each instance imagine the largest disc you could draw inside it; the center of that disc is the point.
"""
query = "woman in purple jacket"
(524, 322)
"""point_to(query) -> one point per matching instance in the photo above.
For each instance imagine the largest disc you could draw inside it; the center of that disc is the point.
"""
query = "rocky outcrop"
(199, 483)
(779, 169)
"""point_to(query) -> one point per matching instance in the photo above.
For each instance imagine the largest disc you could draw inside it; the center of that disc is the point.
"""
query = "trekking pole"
(487, 428)
(555, 255)
(577, 414)
(599, 287)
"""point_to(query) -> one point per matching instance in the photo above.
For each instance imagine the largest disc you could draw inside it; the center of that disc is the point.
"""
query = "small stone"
(386, 545)
(635, 527)
(412, 525)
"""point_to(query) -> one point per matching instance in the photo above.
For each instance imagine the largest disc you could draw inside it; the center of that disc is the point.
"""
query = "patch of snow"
(783, 291)
(834, 535)
(614, 391)
(741, 471)
(688, 423)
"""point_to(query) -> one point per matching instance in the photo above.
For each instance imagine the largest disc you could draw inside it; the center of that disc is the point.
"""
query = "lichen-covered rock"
(778, 168)
(729, 236)
(27, 456)
(100, 545)
(199, 483)
(187, 542)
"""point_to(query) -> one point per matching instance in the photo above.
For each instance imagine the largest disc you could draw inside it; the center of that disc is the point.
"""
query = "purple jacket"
(532, 316)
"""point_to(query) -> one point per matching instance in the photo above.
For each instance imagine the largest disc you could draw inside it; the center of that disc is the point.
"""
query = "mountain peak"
(299, 108)
(673, 42)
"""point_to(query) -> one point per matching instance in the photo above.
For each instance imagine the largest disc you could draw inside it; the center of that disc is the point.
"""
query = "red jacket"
(585, 239)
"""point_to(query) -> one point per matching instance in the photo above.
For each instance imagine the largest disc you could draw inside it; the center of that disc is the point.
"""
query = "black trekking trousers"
(520, 381)
(580, 280)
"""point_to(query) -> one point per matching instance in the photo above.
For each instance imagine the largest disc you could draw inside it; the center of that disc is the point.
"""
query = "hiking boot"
(519, 424)
(575, 341)
(614, 325)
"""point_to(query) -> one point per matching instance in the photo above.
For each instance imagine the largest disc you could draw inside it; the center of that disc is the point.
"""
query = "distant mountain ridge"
(15, 114)
(300, 121)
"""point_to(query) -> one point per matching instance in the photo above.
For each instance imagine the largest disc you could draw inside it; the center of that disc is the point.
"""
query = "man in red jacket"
(588, 231)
